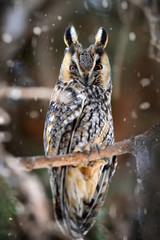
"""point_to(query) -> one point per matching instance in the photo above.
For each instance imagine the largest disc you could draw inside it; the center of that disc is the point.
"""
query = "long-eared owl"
(79, 118)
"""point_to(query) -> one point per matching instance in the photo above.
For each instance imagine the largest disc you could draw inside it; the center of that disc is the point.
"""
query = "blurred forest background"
(31, 51)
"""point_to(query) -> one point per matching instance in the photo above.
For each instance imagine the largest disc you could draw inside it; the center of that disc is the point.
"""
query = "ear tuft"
(101, 38)
(70, 36)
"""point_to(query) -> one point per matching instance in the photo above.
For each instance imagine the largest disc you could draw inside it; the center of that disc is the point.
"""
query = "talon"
(97, 147)
(90, 150)
(105, 159)
(90, 164)
(84, 151)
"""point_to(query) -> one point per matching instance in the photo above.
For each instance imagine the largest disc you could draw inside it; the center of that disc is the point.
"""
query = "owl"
(79, 119)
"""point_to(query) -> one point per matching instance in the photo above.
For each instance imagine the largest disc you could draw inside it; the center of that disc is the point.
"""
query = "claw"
(97, 147)
(90, 150)
(85, 151)
(90, 164)
(105, 159)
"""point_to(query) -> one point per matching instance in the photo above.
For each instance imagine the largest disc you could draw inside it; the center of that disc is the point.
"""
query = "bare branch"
(152, 12)
(16, 93)
(5, 118)
(132, 145)
(37, 162)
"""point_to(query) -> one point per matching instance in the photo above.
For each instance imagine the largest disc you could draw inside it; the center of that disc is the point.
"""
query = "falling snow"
(37, 30)
(145, 211)
(104, 3)
(9, 63)
(124, 5)
(132, 36)
(7, 38)
(59, 18)
(144, 105)
(34, 114)
(145, 82)
(139, 180)
(133, 114)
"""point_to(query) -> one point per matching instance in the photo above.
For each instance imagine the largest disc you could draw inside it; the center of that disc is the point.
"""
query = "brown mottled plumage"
(79, 118)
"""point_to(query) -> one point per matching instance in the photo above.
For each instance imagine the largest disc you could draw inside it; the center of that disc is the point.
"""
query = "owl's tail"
(70, 223)
(93, 207)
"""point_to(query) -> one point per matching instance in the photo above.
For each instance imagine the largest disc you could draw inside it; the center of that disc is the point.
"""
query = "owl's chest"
(89, 124)
(91, 121)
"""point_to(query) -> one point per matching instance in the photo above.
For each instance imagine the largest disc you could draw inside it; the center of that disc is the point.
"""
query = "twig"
(132, 145)
(16, 93)
(152, 12)
(5, 118)
(37, 162)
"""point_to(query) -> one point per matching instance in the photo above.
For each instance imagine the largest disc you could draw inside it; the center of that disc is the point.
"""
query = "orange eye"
(72, 67)
(98, 67)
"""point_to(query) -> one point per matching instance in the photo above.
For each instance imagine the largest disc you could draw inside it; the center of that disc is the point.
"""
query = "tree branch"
(141, 146)
(17, 93)
(133, 145)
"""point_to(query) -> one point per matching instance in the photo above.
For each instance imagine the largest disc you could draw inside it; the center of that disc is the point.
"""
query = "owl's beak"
(86, 78)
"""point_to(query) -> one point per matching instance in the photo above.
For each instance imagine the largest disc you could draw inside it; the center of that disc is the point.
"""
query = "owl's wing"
(79, 218)
(61, 120)
(64, 110)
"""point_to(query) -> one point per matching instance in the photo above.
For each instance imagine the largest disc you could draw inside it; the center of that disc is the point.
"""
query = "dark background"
(31, 52)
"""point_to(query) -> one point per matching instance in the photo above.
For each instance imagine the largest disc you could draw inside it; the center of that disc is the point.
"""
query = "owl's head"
(89, 66)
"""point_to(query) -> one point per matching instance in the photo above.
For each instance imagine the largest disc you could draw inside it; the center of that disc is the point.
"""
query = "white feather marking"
(49, 128)
(73, 107)
(65, 122)
(81, 96)
(74, 34)
(51, 118)
(99, 35)
(75, 59)
(47, 147)
(94, 63)
(65, 97)
(76, 113)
